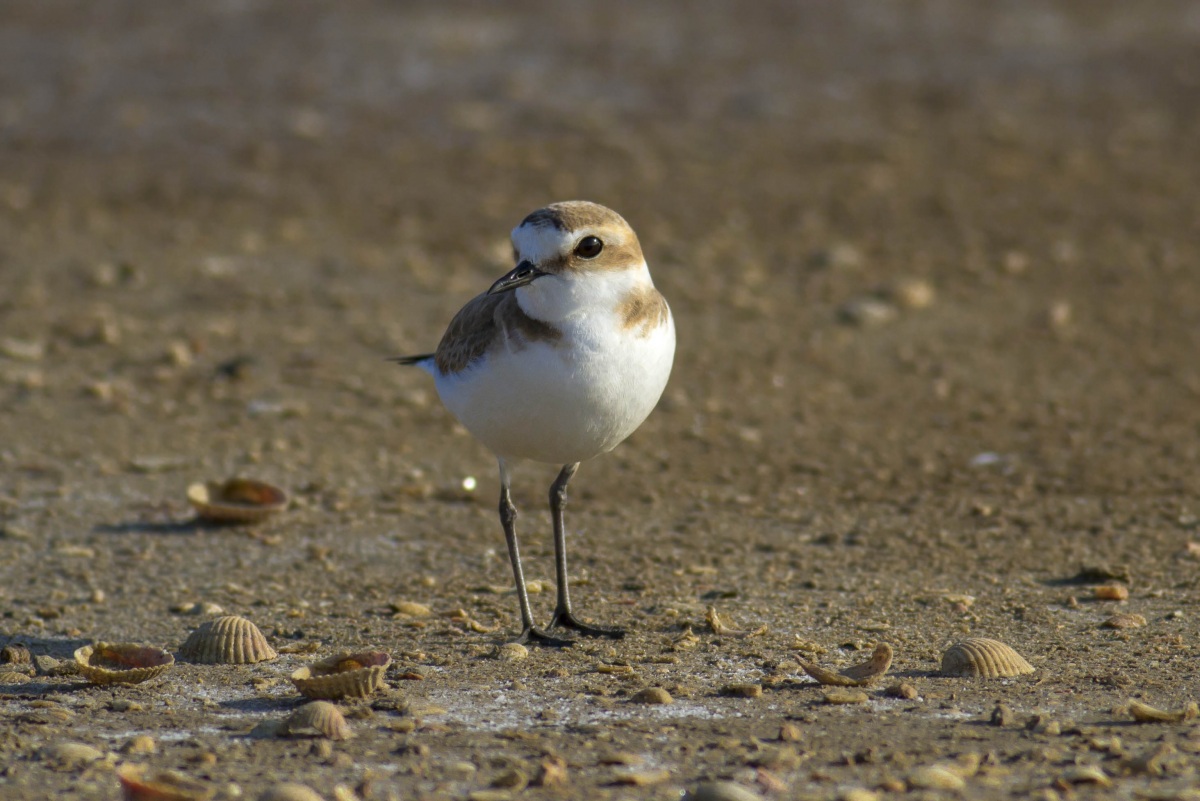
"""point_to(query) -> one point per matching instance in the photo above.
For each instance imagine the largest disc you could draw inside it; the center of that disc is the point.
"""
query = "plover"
(559, 361)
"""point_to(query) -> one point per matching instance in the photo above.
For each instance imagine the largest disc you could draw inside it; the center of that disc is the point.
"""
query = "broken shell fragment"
(238, 500)
(228, 640)
(855, 675)
(983, 658)
(722, 629)
(138, 785)
(317, 719)
(348, 675)
(121, 663)
(1144, 713)
(873, 668)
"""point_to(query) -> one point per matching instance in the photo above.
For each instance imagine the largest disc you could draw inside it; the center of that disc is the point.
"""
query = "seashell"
(238, 500)
(138, 785)
(228, 640)
(121, 663)
(349, 675)
(317, 719)
(290, 791)
(13, 677)
(982, 658)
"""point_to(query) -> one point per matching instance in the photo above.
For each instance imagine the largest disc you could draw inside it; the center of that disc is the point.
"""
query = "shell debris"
(346, 675)
(238, 500)
(121, 663)
(228, 640)
(983, 658)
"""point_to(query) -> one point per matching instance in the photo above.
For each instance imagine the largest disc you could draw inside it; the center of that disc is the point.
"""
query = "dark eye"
(589, 247)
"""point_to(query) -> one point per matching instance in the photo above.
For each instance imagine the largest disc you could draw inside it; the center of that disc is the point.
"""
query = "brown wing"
(469, 334)
(484, 322)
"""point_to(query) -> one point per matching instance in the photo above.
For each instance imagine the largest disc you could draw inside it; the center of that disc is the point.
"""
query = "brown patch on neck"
(643, 310)
(487, 322)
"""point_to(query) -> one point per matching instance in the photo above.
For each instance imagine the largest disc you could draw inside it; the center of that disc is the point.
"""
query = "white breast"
(566, 401)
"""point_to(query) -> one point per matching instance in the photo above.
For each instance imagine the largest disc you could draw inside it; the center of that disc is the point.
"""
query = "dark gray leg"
(508, 519)
(562, 610)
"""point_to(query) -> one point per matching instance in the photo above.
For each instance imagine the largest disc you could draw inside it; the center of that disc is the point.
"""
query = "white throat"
(558, 297)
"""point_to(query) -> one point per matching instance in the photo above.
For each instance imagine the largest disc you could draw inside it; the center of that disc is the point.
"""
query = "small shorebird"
(559, 361)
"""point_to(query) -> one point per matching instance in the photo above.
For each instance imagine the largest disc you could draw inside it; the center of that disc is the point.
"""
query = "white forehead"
(556, 229)
(543, 243)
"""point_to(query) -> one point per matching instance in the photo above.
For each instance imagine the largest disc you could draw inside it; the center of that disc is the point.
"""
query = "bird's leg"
(508, 519)
(562, 610)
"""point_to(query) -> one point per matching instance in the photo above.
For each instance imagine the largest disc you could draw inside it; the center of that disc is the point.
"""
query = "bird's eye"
(589, 247)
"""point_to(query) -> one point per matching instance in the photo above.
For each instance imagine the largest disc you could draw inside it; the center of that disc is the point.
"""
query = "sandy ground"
(936, 273)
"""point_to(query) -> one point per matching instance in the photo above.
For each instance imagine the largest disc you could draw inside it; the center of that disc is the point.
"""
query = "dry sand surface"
(936, 273)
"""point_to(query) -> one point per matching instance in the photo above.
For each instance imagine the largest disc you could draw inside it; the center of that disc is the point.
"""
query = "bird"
(558, 362)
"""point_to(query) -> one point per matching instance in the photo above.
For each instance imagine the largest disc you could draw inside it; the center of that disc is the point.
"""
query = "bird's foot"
(532, 635)
(568, 621)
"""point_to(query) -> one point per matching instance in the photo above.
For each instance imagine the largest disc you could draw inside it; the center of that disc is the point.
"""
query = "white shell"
(347, 675)
(983, 658)
(238, 500)
(228, 640)
(121, 663)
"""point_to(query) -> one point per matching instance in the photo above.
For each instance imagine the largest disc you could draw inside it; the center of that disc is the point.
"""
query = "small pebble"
(139, 745)
(1112, 592)
(1124, 621)
(935, 777)
(742, 690)
(903, 690)
(1086, 774)
(857, 794)
(411, 609)
(69, 756)
(721, 791)
(290, 791)
(512, 652)
(866, 312)
(652, 695)
(841, 696)
(1002, 715)
(642, 778)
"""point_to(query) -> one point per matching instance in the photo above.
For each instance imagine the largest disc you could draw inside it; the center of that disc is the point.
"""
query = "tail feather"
(411, 360)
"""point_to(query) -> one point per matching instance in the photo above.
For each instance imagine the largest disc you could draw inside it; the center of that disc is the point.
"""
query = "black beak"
(520, 275)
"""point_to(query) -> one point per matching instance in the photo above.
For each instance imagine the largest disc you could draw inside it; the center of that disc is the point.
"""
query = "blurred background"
(958, 215)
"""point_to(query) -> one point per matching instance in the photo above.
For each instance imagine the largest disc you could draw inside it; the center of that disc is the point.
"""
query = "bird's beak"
(520, 275)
